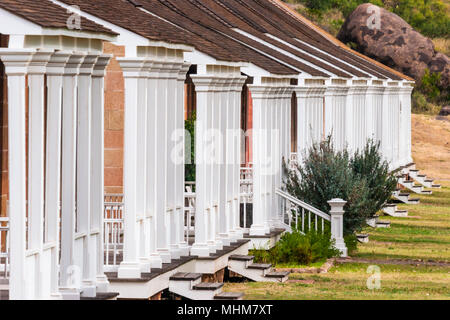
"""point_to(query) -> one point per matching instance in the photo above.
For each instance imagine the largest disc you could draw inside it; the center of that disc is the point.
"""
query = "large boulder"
(384, 36)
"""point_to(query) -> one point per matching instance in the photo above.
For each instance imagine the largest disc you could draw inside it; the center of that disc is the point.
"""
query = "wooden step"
(278, 275)
(260, 266)
(363, 238)
(383, 224)
(230, 296)
(185, 276)
(205, 286)
(102, 297)
(241, 258)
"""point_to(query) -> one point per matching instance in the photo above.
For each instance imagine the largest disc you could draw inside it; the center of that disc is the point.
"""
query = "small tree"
(363, 181)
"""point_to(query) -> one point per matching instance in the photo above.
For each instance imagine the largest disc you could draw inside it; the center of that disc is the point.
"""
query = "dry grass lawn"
(431, 146)
(422, 237)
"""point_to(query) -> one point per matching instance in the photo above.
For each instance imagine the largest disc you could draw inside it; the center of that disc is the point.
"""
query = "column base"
(155, 261)
(185, 249)
(89, 289)
(102, 283)
(165, 255)
(239, 233)
(175, 252)
(200, 250)
(145, 265)
(343, 248)
(218, 244)
(70, 294)
(129, 270)
(259, 230)
(225, 239)
(212, 247)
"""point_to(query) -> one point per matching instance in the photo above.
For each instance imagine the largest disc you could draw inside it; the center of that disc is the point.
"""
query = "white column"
(55, 71)
(260, 226)
(97, 165)
(350, 119)
(36, 169)
(141, 172)
(172, 185)
(235, 112)
(226, 154)
(16, 63)
(152, 167)
(302, 127)
(203, 86)
(130, 267)
(183, 244)
(84, 196)
(162, 237)
(69, 176)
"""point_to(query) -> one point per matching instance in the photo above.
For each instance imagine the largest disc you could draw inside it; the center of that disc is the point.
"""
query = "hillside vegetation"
(429, 17)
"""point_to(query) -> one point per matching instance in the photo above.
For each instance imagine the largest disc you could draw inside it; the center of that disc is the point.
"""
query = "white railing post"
(337, 224)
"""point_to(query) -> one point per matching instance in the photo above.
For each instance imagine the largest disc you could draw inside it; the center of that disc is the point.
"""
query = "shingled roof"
(265, 33)
(179, 30)
(48, 15)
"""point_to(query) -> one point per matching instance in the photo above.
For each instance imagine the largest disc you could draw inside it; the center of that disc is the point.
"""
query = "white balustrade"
(4, 248)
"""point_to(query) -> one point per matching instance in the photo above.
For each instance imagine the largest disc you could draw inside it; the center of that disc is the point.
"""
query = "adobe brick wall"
(114, 121)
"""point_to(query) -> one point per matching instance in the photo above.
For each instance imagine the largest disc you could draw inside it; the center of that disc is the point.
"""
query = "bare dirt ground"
(431, 145)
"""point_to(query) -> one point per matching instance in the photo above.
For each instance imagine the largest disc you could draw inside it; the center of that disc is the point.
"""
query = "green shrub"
(300, 249)
(363, 180)
(190, 165)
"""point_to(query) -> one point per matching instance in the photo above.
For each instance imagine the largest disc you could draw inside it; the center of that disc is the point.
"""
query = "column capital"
(131, 67)
(259, 91)
(56, 65)
(183, 71)
(101, 65)
(337, 206)
(87, 66)
(16, 61)
(73, 64)
(39, 62)
(203, 83)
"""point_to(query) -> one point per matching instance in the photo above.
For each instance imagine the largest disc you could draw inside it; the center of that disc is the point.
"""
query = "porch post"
(84, 179)
(226, 154)
(97, 182)
(152, 167)
(302, 126)
(235, 115)
(16, 63)
(385, 128)
(55, 72)
(260, 226)
(69, 175)
(203, 86)
(162, 219)
(183, 244)
(130, 267)
(173, 188)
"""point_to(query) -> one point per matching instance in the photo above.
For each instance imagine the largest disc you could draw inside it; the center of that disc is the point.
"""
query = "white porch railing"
(246, 193)
(113, 231)
(301, 216)
(189, 212)
(298, 215)
(4, 248)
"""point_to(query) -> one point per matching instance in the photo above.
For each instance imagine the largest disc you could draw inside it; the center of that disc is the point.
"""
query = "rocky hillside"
(397, 38)
(391, 40)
